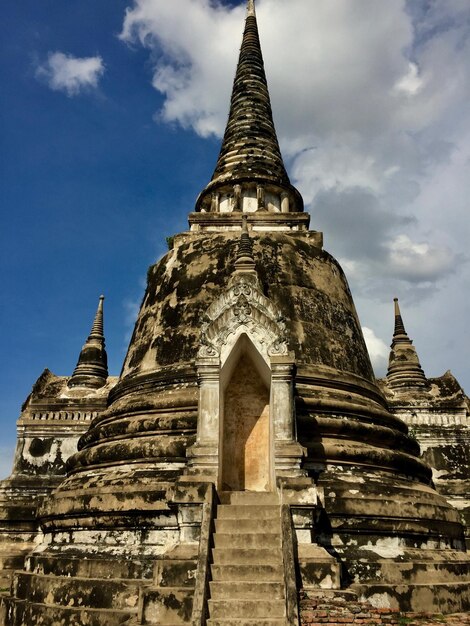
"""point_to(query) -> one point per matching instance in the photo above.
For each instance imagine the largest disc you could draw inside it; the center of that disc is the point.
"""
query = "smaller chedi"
(246, 454)
(436, 411)
(55, 415)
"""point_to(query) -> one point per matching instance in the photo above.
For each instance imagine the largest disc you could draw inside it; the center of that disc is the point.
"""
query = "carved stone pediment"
(242, 307)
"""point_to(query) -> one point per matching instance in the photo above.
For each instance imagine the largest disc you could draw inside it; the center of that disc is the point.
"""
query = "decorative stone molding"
(243, 308)
(243, 315)
(62, 415)
(433, 418)
(213, 220)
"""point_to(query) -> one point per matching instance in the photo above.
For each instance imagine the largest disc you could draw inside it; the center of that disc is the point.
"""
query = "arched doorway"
(246, 460)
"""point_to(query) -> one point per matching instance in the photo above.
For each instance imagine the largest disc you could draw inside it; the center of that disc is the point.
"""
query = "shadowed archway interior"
(246, 463)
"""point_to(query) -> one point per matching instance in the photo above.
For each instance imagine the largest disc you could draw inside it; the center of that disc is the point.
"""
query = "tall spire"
(245, 263)
(404, 369)
(250, 148)
(400, 332)
(92, 366)
(250, 175)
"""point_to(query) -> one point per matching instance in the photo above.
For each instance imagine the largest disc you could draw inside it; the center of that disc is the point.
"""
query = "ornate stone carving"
(242, 307)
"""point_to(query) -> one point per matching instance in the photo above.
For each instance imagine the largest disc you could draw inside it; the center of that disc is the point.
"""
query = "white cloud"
(373, 123)
(419, 262)
(378, 351)
(411, 83)
(64, 72)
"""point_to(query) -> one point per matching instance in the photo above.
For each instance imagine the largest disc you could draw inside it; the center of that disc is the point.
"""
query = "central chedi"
(246, 451)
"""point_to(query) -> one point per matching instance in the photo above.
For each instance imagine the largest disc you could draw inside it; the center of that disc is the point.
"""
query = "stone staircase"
(422, 573)
(247, 585)
(56, 589)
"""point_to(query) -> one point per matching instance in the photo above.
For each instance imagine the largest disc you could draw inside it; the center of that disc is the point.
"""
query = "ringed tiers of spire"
(250, 175)
(404, 369)
(92, 367)
(245, 263)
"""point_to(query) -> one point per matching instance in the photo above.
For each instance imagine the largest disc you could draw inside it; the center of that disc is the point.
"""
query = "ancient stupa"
(246, 451)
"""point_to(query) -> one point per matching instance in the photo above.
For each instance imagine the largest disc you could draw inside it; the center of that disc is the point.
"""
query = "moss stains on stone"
(304, 282)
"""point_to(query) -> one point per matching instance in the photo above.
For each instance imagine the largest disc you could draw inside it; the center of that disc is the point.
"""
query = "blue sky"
(90, 188)
(94, 175)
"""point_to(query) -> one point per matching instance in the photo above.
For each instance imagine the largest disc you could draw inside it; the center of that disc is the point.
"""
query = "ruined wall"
(52, 420)
(344, 610)
(304, 282)
(438, 417)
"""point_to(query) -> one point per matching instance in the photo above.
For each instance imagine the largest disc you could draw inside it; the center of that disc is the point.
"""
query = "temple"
(436, 411)
(246, 456)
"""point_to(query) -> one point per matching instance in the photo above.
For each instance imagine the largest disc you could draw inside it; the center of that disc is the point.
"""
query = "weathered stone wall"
(52, 420)
(125, 494)
(320, 610)
(376, 504)
(246, 440)
(438, 417)
(304, 282)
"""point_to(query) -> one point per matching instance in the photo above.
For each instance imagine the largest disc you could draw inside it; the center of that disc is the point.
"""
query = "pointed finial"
(97, 328)
(245, 224)
(404, 369)
(250, 154)
(400, 331)
(92, 367)
(245, 262)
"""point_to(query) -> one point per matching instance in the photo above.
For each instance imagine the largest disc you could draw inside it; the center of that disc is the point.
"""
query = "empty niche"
(246, 434)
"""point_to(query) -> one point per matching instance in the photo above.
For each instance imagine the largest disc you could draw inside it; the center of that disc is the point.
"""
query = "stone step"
(85, 567)
(243, 526)
(31, 614)
(275, 621)
(246, 573)
(8, 564)
(317, 568)
(333, 594)
(247, 540)
(445, 597)
(247, 590)
(172, 605)
(11, 561)
(250, 556)
(5, 580)
(61, 591)
(239, 512)
(254, 498)
(247, 609)
(419, 572)
(4, 605)
(247, 586)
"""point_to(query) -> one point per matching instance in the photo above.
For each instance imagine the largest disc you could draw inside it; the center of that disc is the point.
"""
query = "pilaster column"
(215, 202)
(208, 373)
(285, 203)
(237, 198)
(203, 456)
(260, 198)
(288, 452)
(282, 397)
